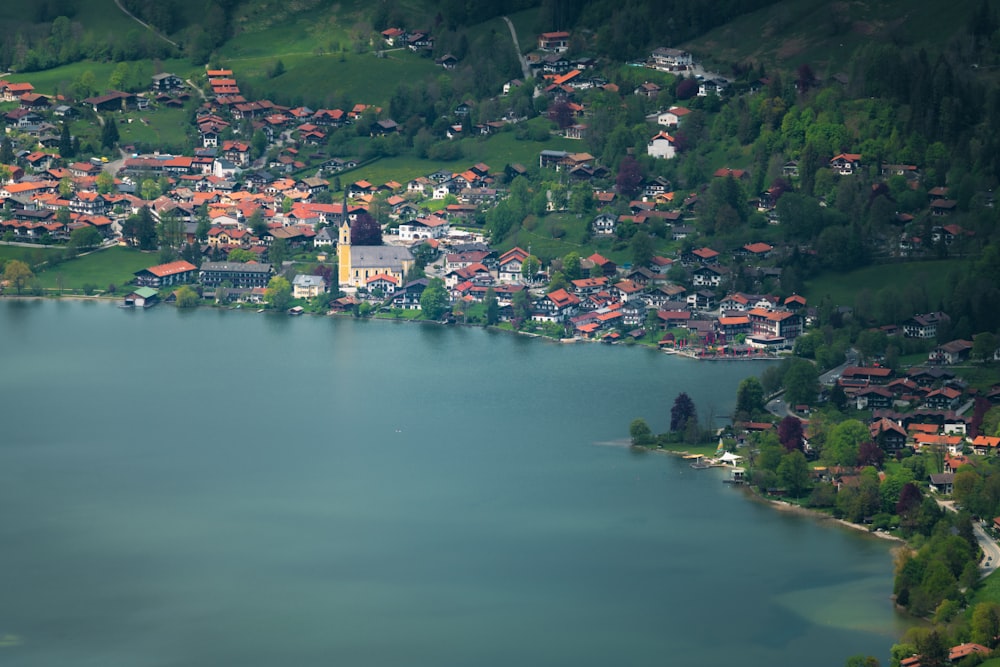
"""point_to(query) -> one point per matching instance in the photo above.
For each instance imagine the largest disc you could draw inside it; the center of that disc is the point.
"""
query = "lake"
(230, 488)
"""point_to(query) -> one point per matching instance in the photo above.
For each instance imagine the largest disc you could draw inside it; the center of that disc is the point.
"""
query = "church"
(358, 264)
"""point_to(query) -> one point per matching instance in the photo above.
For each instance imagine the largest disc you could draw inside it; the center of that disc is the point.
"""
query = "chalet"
(603, 224)
(557, 306)
(713, 87)
(943, 398)
(866, 375)
(984, 445)
(950, 353)
(237, 152)
(429, 227)
(166, 82)
(647, 89)
(162, 275)
(889, 435)
(942, 483)
(701, 300)
(607, 267)
(707, 276)
(705, 256)
(383, 282)
(113, 101)
(845, 164)
(874, 398)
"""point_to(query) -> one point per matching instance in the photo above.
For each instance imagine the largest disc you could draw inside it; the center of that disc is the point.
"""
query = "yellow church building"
(357, 264)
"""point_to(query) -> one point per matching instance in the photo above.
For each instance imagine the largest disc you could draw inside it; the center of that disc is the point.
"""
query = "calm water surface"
(226, 488)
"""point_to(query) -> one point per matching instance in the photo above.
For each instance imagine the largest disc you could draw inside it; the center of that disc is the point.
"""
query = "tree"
(749, 399)
(109, 132)
(790, 434)
(278, 293)
(629, 177)
(642, 249)
(257, 224)
(843, 441)
(870, 454)
(682, 412)
(492, 307)
(187, 297)
(801, 382)
(277, 253)
(984, 345)
(85, 237)
(241, 255)
(793, 473)
(365, 230)
(105, 183)
(18, 274)
(530, 267)
(985, 624)
(170, 230)
(641, 434)
(434, 300)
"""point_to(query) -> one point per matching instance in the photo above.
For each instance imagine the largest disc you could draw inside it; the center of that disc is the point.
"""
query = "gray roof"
(247, 267)
(304, 280)
(379, 256)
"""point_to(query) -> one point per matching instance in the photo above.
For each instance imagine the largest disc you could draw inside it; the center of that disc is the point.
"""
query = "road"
(525, 69)
(991, 550)
(146, 25)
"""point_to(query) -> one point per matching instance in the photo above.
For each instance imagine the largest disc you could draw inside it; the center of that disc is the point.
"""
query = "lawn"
(497, 151)
(60, 79)
(31, 255)
(114, 266)
(843, 288)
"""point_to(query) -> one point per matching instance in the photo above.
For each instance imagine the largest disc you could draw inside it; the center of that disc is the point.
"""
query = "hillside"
(825, 35)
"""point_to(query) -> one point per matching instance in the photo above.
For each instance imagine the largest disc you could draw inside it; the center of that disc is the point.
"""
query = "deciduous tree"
(434, 300)
(17, 274)
(790, 434)
(278, 293)
(365, 230)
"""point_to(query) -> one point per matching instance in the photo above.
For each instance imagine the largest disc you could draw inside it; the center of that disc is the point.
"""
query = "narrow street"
(991, 550)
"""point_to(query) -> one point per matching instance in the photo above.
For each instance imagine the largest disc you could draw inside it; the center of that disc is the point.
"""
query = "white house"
(430, 227)
(672, 116)
(661, 146)
(306, 286)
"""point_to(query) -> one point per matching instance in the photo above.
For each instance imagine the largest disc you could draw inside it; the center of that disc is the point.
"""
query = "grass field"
(32, 255)
(843, 288)
(497, 151)
(114, 266)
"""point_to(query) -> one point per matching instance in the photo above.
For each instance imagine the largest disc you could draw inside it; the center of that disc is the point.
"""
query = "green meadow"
(113, 266)
(843, 288)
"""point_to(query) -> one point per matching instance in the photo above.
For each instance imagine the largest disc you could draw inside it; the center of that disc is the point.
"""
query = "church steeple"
(344, 246)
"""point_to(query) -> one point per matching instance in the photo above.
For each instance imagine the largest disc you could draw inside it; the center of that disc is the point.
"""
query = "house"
(603, 224)
(845, 164)
(510, 264)
(942, 483)
(668, 59)
(874, 398)
(556, 42)
(952, 352)
(306, 286)
(408, 296)
(162, 275)
(661, 145)
(673, 116)
(166, 82)
(707, 276)
(925, 325)
(113, 101)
